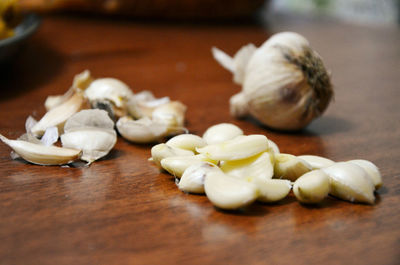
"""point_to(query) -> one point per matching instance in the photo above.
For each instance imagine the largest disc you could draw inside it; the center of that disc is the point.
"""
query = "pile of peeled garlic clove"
(233, 170)
(84, 120)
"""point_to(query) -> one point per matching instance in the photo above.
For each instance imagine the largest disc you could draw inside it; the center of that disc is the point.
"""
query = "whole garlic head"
(285, 83)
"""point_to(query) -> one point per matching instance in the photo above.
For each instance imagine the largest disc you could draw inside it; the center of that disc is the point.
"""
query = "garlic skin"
(285, 84)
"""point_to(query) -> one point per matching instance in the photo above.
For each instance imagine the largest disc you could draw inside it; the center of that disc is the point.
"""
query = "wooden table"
(123, 210)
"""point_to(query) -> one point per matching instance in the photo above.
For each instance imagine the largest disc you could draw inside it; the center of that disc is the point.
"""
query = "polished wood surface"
(123, 210)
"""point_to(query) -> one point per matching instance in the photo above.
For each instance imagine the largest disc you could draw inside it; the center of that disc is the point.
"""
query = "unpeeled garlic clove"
(371, 169)
(57, 116)
(290, 167)
(110, 89)
(227, 192)
(91, 131)
(161, 151)
(193, 177)
(317, 162)
(172, 114)
(350, 182)
(272, 190)
(187, 141)
(143, 130)
(41, 154)
(312, 187)
(259, 166)
(80, 83)
(221, 132)
(238, 148)
(176, 165)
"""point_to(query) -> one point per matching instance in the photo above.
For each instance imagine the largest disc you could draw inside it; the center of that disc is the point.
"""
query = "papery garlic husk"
(40, 154)
(91, 131)
(285, 84)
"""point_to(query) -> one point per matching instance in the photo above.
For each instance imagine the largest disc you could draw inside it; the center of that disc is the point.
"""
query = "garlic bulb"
(284, 82)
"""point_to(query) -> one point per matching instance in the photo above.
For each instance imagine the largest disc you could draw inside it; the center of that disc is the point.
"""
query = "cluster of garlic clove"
(83, 118)
(233, 170)
(284, 82)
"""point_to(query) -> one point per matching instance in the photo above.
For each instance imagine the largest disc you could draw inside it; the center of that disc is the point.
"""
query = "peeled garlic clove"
(141, 131)
(221, 132)
(172, 114)
(371, 169)
(94, 143)
(317, 162)
(312, 187)
(273, 147)
(228, 193)
(193, 177)
(57, 116)
(161, 151)
(111, 89)
(41, 154)
(93, 118)
(290, 167)
(272, 190)
(259, 166)
(176, 165)
(350, 182)
(187, 141)
(240, 147)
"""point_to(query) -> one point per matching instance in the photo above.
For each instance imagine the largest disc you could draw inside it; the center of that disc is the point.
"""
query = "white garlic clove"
(161, 151)
(317, 162)
(238, 105)
(176, 165)
(95, 143)
(312, 187)
(272, 190)
(50, 136)
(350, 182)
(57, 116)
(110, 89)
(259, 166)
(187, 141)
(229, 193)
(40, 154)
(371, 169)
(221, 132)
(172, 114)
(290, 167)
(143, 130)
(273, 147)
(238, 148)
(193, 177)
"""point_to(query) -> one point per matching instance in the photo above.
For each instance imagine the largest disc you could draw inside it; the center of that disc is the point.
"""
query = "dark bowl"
(10, 46)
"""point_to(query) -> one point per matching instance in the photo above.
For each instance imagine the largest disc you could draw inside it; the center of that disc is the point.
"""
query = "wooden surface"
(122, 210)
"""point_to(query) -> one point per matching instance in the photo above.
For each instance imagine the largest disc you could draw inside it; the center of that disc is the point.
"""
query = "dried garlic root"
(234, 170)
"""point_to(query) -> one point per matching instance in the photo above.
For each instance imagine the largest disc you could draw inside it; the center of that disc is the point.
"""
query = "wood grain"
(123, 210)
